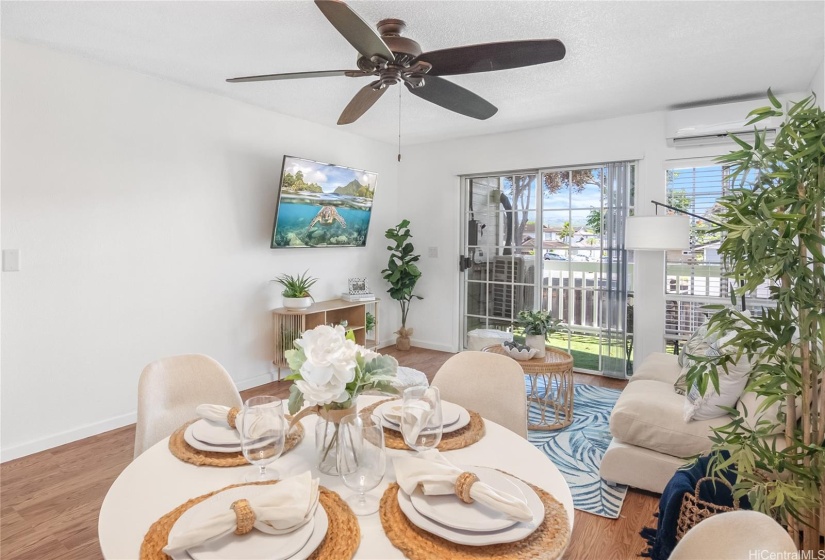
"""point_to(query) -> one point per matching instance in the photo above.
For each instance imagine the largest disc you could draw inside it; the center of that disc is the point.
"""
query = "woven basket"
(694, 510)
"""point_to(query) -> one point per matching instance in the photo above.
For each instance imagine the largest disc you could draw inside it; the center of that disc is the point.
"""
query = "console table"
(289, 324)
(551, 386)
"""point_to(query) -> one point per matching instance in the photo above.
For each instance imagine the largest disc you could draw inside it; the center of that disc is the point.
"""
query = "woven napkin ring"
(231, 415)
(463, 484)
(244, 516)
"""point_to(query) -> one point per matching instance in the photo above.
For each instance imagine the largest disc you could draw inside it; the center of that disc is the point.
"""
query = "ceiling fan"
(394, 59)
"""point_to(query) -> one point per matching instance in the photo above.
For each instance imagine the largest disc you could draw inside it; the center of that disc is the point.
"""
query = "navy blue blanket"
(662, 540)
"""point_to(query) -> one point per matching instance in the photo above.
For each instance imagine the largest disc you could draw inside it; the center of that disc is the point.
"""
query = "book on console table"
(358, 297)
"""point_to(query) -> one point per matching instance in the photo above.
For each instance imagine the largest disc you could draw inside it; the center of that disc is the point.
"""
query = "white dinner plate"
(457, 415)
(214, 433)
(517, 532)
(189, 438)
(255, 545)
(449, 510)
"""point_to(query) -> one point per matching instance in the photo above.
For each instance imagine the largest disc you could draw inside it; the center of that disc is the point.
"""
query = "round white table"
(157, 482)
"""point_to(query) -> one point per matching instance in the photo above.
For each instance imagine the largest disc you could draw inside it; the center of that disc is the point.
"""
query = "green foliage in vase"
(369, 322)
(773, 232)
(296, 286)
(538, 322)
(401, 271)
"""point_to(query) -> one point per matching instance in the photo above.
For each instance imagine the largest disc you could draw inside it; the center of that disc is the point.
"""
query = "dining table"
(156, 482)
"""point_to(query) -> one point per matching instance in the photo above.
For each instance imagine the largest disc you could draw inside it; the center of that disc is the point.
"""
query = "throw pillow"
(731, 385)
(696, 345)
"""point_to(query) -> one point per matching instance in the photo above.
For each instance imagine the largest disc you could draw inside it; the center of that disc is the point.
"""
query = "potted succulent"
(402, 274)
(537, 325)
(296, 290)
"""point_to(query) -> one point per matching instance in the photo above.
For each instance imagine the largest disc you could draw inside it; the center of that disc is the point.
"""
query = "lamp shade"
(657, 233)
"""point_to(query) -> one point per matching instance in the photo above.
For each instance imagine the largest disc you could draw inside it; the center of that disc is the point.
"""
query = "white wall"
(430, 192)
(818, 84)
(143, 211)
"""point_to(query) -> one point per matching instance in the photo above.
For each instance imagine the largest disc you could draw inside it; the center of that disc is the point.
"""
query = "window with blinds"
(694, 278)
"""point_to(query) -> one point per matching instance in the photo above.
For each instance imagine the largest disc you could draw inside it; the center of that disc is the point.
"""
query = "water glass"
(362, 459)
(262, 428)
(421, 419)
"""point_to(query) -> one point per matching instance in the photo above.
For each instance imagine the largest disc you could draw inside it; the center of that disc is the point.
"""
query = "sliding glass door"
(550, 240)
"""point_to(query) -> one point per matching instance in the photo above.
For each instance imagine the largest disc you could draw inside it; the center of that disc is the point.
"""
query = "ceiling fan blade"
(296, 75)
(363, 100)
(453, 97)
(487, 57)
(354, 29)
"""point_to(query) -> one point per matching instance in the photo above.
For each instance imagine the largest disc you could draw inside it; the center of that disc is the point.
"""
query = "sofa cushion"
(658, 366)
(650, 415)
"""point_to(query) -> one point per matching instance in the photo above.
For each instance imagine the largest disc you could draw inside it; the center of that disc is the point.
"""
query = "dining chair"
(736, 535)
(170, 389)
(487, 383)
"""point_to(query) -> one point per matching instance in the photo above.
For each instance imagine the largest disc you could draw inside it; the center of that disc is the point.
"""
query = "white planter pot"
(536, 341)
(297, 302)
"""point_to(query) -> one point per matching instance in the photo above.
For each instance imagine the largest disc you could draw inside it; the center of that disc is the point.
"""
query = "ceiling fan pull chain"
(399, 125)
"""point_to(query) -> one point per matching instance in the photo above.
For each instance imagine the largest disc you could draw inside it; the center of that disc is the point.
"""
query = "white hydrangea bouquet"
(328, 372)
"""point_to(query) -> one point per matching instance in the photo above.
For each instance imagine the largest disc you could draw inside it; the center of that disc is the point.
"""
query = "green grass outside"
(583, 347)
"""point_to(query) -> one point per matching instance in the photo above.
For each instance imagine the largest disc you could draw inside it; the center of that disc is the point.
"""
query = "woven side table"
(555, 399)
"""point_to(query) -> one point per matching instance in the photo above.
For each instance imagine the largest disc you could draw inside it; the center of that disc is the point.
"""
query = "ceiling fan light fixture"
(394, 59)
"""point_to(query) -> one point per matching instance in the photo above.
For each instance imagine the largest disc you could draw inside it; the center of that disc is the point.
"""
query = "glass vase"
(326, 438)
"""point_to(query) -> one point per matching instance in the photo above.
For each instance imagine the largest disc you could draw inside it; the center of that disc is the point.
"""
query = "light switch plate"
(432, 252)
(11, 260)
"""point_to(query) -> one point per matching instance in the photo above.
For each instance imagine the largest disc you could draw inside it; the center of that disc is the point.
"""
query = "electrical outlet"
(11, 260)
(432, 252)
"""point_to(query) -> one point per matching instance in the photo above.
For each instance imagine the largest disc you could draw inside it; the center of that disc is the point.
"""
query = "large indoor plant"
(402, 274)
(537, 326)
(329, 371)
(296, 290)
(773, 232)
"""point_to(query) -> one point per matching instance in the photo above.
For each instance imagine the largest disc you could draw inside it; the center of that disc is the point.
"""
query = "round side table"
(551, 386)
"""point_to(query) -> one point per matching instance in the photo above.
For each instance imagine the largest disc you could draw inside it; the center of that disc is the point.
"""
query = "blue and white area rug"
(577, 450)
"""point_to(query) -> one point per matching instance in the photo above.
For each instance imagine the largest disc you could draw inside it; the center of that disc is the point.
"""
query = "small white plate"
(255, 545)
(514, 533)
(449, 510)
(453, 417)
(214, 433)
(189, 438)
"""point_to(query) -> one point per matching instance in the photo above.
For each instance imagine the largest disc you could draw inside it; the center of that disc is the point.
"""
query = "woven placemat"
(341, 542)
(188, 454)
(546, 543)
(464, 437)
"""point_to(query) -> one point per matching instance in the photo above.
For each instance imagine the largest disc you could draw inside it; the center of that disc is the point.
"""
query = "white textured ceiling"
(622, 57)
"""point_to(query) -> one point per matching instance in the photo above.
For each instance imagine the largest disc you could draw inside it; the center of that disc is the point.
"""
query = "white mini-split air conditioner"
(701, 126)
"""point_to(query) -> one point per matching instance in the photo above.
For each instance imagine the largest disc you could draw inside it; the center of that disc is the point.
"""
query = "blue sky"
(328, 176)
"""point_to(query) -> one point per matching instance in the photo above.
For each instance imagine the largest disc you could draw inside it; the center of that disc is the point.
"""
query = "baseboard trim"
(69, 436)
(262, 379)
(431, 345)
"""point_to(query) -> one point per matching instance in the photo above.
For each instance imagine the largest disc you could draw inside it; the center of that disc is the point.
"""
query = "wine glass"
(361, 459)
(421, 419)
(262, 427)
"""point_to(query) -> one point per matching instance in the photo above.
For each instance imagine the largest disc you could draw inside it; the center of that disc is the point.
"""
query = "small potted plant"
(537, 325)
(296, 290)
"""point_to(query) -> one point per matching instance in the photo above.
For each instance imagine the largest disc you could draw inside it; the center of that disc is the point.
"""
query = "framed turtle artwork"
(322, 205)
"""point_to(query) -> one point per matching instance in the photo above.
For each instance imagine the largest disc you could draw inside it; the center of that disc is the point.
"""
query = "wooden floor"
(49, 502)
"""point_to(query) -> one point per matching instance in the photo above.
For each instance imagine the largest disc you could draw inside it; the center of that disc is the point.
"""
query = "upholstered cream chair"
(490, 384)
(170, 389)
(735, 535)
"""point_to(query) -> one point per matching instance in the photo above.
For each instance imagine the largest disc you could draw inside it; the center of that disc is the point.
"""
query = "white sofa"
(650, 437)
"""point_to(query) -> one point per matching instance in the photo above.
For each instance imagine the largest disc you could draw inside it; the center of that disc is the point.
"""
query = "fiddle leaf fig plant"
(772, 226)
(402, 272)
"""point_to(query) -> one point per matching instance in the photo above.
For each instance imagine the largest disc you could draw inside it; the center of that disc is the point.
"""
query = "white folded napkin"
(280, 508)
(217, 413)
(437, 476)
(421, 413)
